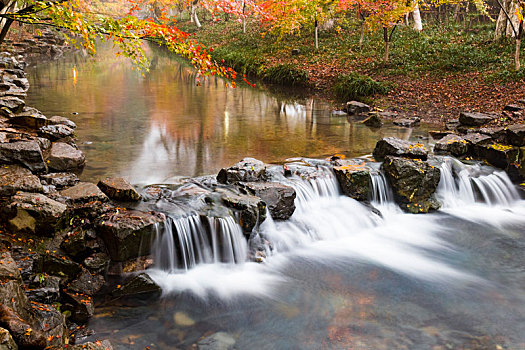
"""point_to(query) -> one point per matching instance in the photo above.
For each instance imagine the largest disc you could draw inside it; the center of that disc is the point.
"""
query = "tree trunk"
(316, 34)
(512, 11)
(387, 45)
(362, 37)
(517, 55)
(243, 16)
(418, 25)
(457, 9)
(501, 22)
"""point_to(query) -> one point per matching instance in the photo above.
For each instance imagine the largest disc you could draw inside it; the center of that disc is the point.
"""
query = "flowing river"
(337, 276)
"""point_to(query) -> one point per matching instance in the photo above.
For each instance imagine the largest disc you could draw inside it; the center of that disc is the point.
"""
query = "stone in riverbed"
(56, 132)
(44, 289)
(139, 287)
(36, 214)
(84, 192)
(475, 118)
(102, 345)
(247, 170)
(30, 117)
(392, 146)
(60, 180)
(374, 121)
(439, 134)
(354, 180)
(14, 104)
(128, 234)
(407, 122)
(59, 120)
(279, 198)
(56, 266)
(119, 189)
(8, 268)
(87, 283)
(97, 262)
(217, 341)
(26, 153)
(252, 209)
(78, 244)
(64, 157)
(6, 341)
(14, 178)
(355, 107)
(516, 135)
(80, 305)
(414, 182)
(498, 155)
(451, 144)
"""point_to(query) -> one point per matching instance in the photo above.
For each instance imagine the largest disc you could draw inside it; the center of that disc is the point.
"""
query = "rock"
(56, 266)
(516, 170)
(354, 181)
(279, 198)
(26, 153)
(99, 345)
(139, 287)
(29, 117)
(498, 155)
(474, 118)
(119, 189)
(516, 135)
(77, 244)
(498, 134)
(451, 144)
(252, 209)
(80, 305)
(513, 108)
(355, 107)
(438, 134)
(295, 52)
(128, 234)
(87, 283)
(373, 121)
(64, 157)
(476, 140)
(56, 132)
(47, 214)
(247, 170)
(217, 341)
(8, 268)
(6, 341)
(58, 120)
(391, 146)
(84, 192)
(23, 332)
(44, 143)
(97, 262)
(452, 124)
(52, 324)
(407, 122)
(14, 104)
(60, 180)
(14, 178)
(44, 289)
(413, 182)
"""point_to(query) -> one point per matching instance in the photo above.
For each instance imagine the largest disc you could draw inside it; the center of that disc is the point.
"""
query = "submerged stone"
(356, 107)
(373, 121)
(139, 287)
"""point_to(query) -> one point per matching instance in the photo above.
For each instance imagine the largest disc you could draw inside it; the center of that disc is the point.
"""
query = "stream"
(337, 276)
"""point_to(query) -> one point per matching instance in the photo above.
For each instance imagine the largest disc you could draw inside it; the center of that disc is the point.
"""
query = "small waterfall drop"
(324, 185)
(462, 184)
(186, 242)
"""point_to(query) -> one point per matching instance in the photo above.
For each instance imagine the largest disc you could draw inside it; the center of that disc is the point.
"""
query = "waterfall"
(381, 191)
(324, 185)
(462, 184)
(183, 243)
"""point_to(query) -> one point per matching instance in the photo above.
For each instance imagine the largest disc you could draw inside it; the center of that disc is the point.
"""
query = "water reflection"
(149, 128)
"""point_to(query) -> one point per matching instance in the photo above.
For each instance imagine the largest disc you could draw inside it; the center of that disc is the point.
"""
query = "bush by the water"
(355, 86)
(286, 74)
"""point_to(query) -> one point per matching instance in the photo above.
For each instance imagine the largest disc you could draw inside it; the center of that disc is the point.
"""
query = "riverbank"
(433, 75)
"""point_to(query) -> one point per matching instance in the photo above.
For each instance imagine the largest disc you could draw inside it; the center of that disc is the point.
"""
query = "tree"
(85, 22)
(515, 24)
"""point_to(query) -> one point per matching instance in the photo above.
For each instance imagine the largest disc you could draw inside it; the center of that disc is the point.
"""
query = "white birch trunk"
(418, 24)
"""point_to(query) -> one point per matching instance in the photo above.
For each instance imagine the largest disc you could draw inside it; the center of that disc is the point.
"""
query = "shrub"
(354, 87)
(286, 74)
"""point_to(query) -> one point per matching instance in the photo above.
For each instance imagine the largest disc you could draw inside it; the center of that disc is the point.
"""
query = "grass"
(355, 87)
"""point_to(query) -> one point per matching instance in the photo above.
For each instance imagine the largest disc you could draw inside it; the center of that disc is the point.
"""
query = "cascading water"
(185, 242)
(462, 184)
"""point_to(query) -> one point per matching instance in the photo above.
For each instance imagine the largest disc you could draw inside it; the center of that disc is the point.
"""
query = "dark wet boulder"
(251, 209)
(247, 170)
(84, 192)
(64, 157)
(119, 189)
(128, 234)
(513, 108)
(52, 324)
(14, 178)
(475, 118)
(354, 181)
(26, 153)
(36, 214)
(29, 117)
(516, 135)
(439, 134)
(452, 144)
(21, 329)
(392, 146)
(80, 306)
(44, 289)
(6, 340)
(59, 120)
(407, 122)
(414, 183)
(516, 169)
(56, 265)
(498, 155)
(279, 198)
(97, 262)
(497, 133)
(56, 132)
(87, 283)
(44, 143)
(138, 287)
(356, 108)
(60, 180)
(8, 268)
(477, 141)
(99, 345)
(14, 104)
(373, 121)
(80, 243)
